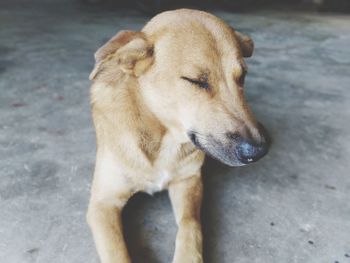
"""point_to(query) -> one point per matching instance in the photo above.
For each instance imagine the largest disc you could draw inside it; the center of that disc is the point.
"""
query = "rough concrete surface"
(293, 206)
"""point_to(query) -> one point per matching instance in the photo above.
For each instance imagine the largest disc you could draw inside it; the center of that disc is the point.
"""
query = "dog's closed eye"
(241, 78)
(201, 83)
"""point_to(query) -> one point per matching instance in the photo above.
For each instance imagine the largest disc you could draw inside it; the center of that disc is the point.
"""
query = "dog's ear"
(131, 51)
(246, 44)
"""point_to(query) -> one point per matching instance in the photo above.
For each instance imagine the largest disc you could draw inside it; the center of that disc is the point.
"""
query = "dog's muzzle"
(234, 150)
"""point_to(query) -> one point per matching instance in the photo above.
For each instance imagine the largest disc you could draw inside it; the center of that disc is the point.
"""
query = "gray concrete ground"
(293, 206)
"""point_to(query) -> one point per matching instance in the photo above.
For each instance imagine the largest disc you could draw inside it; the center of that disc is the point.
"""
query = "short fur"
(143, 112)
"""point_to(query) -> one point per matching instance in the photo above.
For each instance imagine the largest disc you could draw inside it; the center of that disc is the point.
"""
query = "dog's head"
(190, 69)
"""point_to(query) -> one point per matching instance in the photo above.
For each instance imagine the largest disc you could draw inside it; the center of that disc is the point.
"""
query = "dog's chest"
(159, 183)
(173, 162)
(163, 169)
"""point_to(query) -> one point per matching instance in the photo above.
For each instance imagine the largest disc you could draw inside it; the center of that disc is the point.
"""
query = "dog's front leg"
(186, 198)
(105, 222)
(106, 226)
(109, 194)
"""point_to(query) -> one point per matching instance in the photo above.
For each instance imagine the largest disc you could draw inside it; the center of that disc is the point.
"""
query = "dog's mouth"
(236, 151)
(194, 140)
(216, 152)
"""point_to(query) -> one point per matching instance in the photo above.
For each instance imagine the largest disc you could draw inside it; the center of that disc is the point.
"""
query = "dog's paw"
(189, 259)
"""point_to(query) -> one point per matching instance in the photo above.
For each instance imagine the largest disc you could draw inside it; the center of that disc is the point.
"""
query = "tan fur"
(142, 110)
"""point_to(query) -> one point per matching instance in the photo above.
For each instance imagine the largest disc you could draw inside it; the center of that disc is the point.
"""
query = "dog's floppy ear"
(131, 51)
(246, 44)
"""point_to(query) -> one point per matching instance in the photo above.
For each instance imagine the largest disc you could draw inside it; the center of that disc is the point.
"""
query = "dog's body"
(160, 97)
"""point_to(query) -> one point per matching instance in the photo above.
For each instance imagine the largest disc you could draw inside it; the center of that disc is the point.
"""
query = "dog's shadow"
(210, 207)
(145, 236)
(146, 219)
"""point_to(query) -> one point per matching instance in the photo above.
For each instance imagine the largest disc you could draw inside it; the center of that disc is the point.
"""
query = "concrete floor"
(293, 206)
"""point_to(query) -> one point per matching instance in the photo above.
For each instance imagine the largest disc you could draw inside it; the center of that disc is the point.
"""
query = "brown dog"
(160, 98)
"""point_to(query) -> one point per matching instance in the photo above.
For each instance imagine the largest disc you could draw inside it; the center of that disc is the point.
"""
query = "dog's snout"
(248, 152)
(264, 135)
(248, 149)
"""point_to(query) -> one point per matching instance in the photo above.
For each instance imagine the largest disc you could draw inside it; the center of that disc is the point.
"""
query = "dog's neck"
(150, 130)
(121, 103)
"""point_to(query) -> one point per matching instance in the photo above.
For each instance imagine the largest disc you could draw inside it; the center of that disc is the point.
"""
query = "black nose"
(248, 152)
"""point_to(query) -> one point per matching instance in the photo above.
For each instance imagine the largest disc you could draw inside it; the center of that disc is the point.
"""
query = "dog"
(161, 99)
